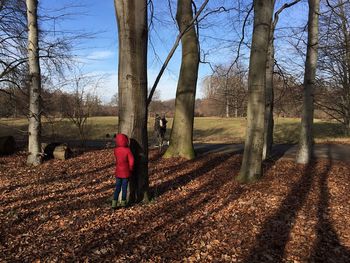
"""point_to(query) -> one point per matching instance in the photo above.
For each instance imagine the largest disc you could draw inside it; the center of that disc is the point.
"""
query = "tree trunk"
(236, 107)
(34, 128)
(132, 83)
(181, 136)
(251, 168)
(346, 65)
(227, 107)
(305, 150)
(227, 102)
(269, 122)
(347, 125)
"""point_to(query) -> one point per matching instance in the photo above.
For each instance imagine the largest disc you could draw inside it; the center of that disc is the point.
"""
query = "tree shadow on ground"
(155, 158)
(59, 196)
(213, 132)
(279, 150)
(271, 242)
(174, 211)
(328, 129)
(327, 247)
(195, 225)
(272, 239)
(62, 177)
(207, 148)
(289, 132)
(182, 180)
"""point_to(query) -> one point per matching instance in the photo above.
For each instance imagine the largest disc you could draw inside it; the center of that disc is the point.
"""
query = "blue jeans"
(121, 184)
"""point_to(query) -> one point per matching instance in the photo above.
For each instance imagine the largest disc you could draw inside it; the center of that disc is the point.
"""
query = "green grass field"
(206, 129)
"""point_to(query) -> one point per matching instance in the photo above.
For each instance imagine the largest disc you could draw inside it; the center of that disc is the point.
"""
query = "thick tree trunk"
(251, 168)
(34, 128)
(181, 136)
(132, 83)
(269, 122)
(305, 150)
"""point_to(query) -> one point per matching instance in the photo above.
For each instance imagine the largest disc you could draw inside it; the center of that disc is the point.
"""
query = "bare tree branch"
(172, 51)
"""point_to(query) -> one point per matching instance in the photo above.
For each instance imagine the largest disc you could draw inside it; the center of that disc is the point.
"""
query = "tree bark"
(346, 80)
(34, 128)
(269, 122)
(132, 88)
(251, 168)
(305, 150)
(181, 144)
(227, 102)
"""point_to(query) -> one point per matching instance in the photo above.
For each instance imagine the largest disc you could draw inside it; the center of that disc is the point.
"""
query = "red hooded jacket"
(124, 160)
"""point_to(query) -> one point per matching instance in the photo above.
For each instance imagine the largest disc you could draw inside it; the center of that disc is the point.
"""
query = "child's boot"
(123, 203)
(114, 204)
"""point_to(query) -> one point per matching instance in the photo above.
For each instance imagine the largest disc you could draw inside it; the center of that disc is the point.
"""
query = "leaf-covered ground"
(61, 212)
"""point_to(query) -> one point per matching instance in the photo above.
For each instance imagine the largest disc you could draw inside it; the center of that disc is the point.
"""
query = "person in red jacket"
(124, 165)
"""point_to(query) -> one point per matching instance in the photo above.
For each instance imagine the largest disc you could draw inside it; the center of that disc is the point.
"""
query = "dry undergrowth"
(61, 212)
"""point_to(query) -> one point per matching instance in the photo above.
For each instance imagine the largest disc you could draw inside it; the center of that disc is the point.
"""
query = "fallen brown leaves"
(61, 212)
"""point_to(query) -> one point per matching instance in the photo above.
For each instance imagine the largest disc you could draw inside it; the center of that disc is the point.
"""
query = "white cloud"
(101, 54)
(95, 56)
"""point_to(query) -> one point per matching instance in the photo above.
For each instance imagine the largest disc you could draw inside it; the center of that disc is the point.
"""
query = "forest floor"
(61, 211)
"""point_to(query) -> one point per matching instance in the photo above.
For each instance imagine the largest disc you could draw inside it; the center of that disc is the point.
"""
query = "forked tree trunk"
(305, 150)
(34, 128)
(132, 83)
(181, 136)
(251, 168)
(269, 121)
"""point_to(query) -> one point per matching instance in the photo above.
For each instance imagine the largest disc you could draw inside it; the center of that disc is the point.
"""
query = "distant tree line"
(57, 103)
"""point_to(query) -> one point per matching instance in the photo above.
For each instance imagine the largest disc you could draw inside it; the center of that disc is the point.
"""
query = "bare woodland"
(264, 68)
(235, 90)
(231, 91)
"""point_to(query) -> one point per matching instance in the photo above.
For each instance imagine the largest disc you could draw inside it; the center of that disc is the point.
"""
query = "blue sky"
(99, 55)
